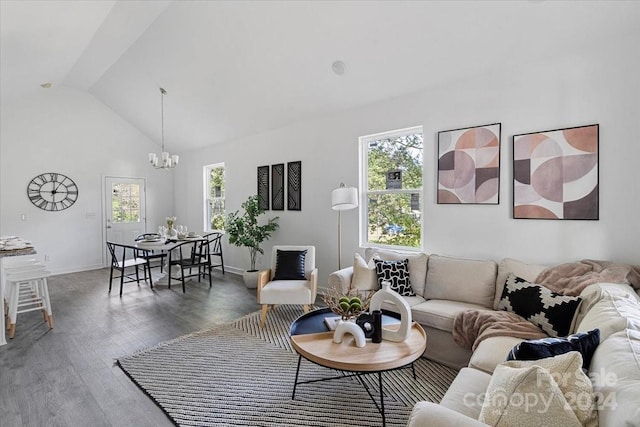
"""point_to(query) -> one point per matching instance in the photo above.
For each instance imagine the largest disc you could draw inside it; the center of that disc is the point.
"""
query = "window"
(391, 183)
(214, 197)
(125, 203)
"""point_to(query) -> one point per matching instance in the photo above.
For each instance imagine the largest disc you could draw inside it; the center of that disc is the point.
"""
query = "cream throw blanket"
(470, 327)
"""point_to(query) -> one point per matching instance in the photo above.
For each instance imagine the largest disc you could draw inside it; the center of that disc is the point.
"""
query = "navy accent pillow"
(584, 342)
(290, 265)
(397, 273)
(550, 311)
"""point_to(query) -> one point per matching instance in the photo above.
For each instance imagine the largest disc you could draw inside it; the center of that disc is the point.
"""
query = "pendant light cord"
(162, 93)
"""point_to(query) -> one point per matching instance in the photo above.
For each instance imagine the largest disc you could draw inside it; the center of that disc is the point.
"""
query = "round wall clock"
(52, 191)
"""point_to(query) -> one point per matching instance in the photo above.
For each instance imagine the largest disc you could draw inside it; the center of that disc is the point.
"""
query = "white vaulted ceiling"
(235, 68)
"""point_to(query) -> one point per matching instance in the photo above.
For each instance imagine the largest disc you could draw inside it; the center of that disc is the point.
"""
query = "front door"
(125, 212)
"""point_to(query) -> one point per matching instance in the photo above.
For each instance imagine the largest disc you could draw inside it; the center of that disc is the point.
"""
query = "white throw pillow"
(553, 389)
(364, 275)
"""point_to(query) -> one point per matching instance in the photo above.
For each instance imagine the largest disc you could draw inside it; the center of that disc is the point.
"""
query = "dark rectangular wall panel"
(263, 187)
(277, 187)
(294, 187)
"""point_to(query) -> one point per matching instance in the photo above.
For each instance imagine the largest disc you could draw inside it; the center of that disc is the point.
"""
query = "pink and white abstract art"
(555, 174)
(469, 165)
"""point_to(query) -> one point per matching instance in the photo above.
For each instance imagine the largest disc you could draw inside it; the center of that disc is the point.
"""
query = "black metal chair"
(198, 257)
(150, 254)
(121, 263)
(215, 247)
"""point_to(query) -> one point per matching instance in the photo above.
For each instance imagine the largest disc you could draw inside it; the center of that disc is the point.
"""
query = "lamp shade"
(344, 198)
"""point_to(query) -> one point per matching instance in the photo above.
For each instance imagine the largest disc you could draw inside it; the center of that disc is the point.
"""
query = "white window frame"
(363, 142)
(206, 176)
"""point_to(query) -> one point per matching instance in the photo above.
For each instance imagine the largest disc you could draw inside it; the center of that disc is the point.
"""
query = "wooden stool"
(28, 291)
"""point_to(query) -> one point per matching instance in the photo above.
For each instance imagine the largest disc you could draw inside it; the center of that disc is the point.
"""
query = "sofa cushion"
(528, 272)
(563, 393)
(583, 342)
(417, 265)
(615, 373)
(412, 301)
(550, 311)
(465, 280)
(364, 274)
(434, 415)
(292, 291)
(396, 273)
(439, 314)
(466, 393)
(491, 352)
(611, 308)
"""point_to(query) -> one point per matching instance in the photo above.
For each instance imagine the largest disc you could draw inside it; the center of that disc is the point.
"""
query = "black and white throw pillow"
(550, 311)
(397, 273)
(583, 342)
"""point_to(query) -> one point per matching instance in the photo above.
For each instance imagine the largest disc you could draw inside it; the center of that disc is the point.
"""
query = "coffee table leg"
(295, 384)
(384, 418)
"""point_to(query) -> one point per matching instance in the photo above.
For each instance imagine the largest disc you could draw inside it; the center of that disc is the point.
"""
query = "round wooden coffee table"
(312, 340)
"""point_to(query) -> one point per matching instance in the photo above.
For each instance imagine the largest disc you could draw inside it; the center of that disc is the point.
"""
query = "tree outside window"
(125, 203)
(214, 202)
(392, 171)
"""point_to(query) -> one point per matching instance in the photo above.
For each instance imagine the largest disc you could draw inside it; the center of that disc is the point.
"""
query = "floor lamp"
(343, 198)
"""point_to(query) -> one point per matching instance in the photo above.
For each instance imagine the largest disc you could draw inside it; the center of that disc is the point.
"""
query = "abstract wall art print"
(263, 187)
(277, 187)
(294, 186)
(469, 165)
(555, 174)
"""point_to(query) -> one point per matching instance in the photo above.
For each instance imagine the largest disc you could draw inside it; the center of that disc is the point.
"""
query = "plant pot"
(250, 278)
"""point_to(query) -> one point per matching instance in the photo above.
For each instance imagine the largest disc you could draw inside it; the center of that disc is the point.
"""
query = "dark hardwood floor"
(67, 376)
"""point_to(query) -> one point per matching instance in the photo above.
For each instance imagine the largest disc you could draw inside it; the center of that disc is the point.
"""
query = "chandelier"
(165, 161)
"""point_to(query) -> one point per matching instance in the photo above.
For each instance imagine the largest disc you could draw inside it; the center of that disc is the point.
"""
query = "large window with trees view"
(391, 183)
(214, 196)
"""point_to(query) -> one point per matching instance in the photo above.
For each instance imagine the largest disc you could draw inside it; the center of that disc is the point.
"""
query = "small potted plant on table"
(244, 230)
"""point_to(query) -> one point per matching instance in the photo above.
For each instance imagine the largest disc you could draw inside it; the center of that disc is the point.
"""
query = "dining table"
(10, 246)
(167, 245)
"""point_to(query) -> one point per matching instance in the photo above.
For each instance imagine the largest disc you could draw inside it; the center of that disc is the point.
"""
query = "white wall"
(596, 85)
(69, 131)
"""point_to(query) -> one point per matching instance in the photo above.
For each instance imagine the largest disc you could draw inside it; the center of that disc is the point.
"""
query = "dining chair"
(190, 254)
(215, 247)
(151, 254)
(292, 279)
(120, 262)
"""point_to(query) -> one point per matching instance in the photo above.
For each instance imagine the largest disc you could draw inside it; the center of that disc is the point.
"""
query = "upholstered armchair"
(292, 279)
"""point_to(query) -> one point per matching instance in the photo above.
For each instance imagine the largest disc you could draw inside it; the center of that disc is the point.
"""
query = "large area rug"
(239, 374)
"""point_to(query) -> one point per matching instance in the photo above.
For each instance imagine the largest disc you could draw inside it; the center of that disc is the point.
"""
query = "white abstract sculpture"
(349, 328)
(386, 294)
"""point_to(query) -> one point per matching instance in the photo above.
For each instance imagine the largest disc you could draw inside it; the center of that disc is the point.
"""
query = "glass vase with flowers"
(171, 232)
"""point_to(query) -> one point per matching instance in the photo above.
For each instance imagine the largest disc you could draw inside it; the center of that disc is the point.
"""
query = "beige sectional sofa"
(445, 286)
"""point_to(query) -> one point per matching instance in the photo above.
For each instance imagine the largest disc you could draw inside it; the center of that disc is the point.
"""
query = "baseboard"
(77, 269)
(233, 270)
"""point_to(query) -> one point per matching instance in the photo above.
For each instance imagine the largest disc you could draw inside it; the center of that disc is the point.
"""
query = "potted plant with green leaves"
(243, 229)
